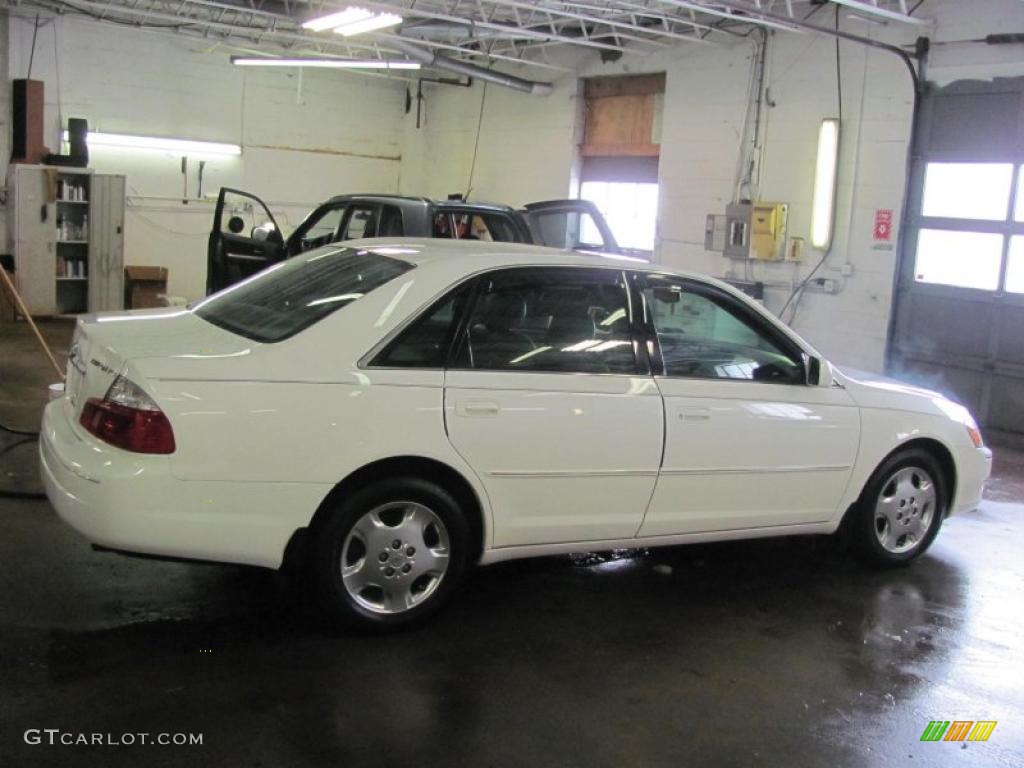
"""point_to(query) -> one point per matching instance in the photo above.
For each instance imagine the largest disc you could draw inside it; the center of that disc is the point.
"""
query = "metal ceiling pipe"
(438, 61)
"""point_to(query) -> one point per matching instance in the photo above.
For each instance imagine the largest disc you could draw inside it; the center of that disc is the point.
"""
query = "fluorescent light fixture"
(823, 210)
(266, 61)
(179, 146)
(353, 21)
(379, 21)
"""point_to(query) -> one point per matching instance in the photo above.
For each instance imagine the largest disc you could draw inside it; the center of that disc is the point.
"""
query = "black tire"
(328, 549)
(863, 525)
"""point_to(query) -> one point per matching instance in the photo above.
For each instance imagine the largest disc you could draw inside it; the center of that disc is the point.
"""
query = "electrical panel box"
(756, 230)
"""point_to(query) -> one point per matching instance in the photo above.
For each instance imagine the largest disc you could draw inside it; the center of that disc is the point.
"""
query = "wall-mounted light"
(353, 21)
(823, 210)
(178, 146)
(266, 61)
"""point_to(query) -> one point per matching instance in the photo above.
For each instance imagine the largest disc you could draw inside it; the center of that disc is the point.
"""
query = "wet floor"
(778, 652)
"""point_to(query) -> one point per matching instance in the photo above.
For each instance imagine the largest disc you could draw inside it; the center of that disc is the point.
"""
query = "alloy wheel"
(905, 509)
(394, 557)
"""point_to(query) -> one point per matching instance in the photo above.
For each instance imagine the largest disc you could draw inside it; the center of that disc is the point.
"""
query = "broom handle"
(31, 322)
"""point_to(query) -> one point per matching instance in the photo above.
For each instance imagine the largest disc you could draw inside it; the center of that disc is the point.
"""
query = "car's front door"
(550, 401)
(571, 224)
(749, 443)
(244, 239)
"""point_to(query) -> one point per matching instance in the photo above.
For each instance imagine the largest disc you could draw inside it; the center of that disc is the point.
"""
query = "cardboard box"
(144, 286)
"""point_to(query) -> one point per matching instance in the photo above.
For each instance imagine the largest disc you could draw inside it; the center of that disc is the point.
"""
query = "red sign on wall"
(883, 225)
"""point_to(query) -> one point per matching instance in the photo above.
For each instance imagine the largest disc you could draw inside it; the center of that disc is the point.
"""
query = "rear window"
(293, 295)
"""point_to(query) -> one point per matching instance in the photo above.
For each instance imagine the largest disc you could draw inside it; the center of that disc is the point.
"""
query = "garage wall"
(304, 139)
(528, 149)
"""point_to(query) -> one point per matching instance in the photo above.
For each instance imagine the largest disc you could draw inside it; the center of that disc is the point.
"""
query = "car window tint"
(704, 334)
(425, 342)
(294, 294)
(442, 225)
(362, 222)
(323, 229)
(390, 222)
(551, 319)
(490, 227)
(567, 229)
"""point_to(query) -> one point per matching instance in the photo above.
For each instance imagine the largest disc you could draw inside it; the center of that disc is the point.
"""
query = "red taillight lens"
(138, 429)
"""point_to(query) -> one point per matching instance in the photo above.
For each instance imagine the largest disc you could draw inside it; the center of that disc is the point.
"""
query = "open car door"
(244, 239)
(575, 225)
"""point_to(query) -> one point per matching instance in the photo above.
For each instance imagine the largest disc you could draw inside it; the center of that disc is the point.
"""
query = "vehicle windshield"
(294, 294)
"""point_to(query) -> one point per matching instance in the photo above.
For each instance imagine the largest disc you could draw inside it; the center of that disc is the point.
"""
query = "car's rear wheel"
(901, 509)
(391, 554)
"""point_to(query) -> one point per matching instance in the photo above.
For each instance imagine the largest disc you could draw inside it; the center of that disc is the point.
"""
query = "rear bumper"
(972, 472)
(133, 503)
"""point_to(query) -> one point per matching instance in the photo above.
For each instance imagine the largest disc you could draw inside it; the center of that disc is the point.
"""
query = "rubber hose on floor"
(28, 438)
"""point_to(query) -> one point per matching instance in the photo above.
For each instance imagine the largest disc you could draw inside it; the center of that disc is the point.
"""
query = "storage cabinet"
(67, 232)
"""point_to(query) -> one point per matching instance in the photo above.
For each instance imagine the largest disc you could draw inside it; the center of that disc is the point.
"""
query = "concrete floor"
(779, 652)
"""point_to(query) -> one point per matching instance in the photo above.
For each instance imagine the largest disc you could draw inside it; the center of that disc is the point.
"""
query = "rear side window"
(293, 295)
(550, 319)
(425, 343)
(477, 225)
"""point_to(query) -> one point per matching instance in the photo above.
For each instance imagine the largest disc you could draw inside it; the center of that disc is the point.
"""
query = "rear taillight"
(128, 418)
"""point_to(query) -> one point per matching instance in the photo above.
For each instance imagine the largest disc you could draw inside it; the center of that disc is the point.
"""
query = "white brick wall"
(343, 132)
(527, 150)
(144, 83)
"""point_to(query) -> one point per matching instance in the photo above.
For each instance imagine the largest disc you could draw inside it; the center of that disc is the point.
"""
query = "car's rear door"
(244, 239)
(550, 401)
(571, 224)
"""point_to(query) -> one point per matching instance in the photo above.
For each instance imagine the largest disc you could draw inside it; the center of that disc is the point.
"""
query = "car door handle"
(693, 414)
(477, 408)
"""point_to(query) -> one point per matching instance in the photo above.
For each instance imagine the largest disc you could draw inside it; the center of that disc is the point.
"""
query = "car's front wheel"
(391, 554)
(901, 509)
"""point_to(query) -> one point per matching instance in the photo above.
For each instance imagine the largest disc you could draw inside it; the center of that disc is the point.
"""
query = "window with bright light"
(967, 191)
(964, 259)
(631, 210)
(1015, 265)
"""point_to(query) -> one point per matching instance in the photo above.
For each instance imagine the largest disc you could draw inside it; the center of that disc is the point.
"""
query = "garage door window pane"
(1015, 266)
(631, 211)
(967, 190)
(964, 259)
(1018, 212)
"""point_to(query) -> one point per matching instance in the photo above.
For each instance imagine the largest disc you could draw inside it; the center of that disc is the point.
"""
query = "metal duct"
(438, 61)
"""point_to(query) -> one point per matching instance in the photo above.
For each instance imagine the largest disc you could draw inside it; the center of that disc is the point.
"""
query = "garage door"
(958, 324)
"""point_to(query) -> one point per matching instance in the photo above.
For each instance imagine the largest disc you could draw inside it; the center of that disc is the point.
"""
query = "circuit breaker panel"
(752, 230)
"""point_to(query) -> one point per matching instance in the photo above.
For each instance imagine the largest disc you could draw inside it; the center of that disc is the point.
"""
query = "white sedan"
(390, 413)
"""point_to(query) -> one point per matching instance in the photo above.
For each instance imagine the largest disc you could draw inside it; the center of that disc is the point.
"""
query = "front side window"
(705, 334)
(293, 295)
(323, 229)
(560, 320)
(361, 222)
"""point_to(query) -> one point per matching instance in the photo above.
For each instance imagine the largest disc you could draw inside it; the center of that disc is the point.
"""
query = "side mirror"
(260, 234)
(818, 372)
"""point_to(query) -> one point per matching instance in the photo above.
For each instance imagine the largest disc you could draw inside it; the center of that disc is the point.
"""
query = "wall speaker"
(27, 121)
